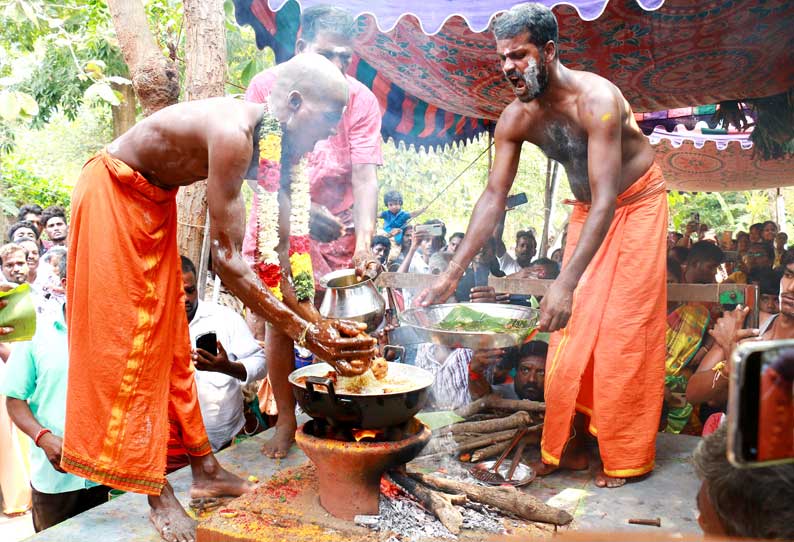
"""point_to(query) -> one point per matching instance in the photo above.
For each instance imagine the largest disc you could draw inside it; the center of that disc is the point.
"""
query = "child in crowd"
(394, 218)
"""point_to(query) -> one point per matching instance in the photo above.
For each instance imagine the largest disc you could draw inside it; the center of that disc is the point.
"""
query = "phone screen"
(208, 342)
(764, 405)
(775, 435)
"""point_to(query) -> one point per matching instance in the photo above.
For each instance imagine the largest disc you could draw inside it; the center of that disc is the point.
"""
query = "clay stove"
(350, 462)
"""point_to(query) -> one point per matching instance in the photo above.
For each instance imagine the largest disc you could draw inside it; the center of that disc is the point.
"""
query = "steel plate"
(425, 321)
(523, 475)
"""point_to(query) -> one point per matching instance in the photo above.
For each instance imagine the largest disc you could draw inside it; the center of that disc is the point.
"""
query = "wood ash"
(409, 522)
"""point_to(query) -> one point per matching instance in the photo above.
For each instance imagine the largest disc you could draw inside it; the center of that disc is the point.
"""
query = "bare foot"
(169, 518)
(212, 480)
(279, 446)
(602, 480)
(571, 460)
(543, 469)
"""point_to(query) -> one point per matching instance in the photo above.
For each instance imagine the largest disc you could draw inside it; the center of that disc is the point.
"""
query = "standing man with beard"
(525, 248)
(344, 192)
(607, 307)
(525, 251)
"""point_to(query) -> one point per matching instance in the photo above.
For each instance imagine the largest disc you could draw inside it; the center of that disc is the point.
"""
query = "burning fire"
(361, 434)
(389, 488)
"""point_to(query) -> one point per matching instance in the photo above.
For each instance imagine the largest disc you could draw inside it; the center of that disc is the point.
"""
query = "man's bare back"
(557, 129)
(215, 139)
(171, 148)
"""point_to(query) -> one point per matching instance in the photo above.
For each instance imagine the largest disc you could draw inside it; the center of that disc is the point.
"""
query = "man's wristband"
(474, 375)
(40, 434)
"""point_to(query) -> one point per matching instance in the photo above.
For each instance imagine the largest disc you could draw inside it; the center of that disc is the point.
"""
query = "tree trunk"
(205, 74)
(154, 76)
(124, 113)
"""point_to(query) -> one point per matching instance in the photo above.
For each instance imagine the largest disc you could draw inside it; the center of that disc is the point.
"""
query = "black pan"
(319, 398)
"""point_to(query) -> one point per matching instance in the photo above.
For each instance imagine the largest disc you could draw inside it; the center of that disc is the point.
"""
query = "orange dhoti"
(129, 348)
(608, 363)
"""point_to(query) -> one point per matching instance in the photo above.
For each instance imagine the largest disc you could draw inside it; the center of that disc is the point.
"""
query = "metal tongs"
(491, 475)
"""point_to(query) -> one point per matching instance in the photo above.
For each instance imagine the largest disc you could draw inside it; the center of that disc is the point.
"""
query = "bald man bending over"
(130, 378)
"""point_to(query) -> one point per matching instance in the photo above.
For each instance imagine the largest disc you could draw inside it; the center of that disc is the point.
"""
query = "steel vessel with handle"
(319, 398)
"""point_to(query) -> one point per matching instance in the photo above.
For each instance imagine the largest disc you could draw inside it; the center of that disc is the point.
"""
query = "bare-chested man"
(130, 377)
(606, 359)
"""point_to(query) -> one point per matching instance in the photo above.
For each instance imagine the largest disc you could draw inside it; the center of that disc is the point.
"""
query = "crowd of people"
(115, 395)
(34, 375)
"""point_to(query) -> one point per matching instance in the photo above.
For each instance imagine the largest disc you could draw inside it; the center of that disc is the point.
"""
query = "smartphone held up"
(430, 230)
(208, 342)
(761, 404)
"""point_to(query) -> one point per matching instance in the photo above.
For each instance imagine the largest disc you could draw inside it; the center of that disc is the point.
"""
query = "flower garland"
(268, 266)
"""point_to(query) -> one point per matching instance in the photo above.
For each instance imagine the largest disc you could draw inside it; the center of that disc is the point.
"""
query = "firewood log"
(466, 445)
(490, 451)
(439, 504)
(519, 419)
(505, 498)
(496, 402)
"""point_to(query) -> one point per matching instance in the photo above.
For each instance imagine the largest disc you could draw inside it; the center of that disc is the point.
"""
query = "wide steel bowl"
(425, 322)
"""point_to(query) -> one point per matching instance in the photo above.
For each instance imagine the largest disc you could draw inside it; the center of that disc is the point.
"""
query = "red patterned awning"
(446, 87)
(708, 169)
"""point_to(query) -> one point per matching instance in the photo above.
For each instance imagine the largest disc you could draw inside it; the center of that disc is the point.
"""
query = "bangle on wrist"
(456, 265)
(40, 434)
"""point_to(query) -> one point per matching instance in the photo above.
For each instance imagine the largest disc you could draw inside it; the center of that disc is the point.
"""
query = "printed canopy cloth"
(433, 66)
(713, 163)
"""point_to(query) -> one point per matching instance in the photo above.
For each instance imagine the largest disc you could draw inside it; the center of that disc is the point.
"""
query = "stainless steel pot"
(349, 297)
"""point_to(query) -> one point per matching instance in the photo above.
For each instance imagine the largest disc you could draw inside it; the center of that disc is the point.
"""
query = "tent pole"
(490, 151)
(780, 207)
(548, 206)
(201, 279)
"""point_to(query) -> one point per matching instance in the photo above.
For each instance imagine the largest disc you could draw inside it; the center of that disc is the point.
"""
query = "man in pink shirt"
(344, 190)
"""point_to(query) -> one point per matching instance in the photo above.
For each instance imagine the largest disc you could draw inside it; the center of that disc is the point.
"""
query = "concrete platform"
(669, 494)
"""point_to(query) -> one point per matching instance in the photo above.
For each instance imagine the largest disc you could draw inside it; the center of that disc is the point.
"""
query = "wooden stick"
(513, 421)
(439, 504)
(506, 498)
(463, 442)
(499, 403)
(495, 402)
(516, 460)
(519, 434)
(475, 407)
(656, 522)
(489, 451)
(484, 440)
(482, 416)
